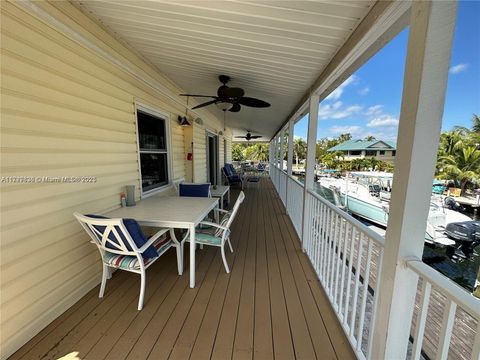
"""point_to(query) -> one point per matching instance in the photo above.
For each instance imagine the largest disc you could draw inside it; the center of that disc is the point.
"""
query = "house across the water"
(359, 149)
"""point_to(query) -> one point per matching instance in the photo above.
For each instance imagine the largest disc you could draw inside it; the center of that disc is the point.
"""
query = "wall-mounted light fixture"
(182, 120)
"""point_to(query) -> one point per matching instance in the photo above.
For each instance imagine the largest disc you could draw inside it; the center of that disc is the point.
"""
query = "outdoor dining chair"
(232, 176)
(213, 234)
(123, 245)
(194, 190)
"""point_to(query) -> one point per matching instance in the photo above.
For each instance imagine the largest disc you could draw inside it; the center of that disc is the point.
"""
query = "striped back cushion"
(223, 222)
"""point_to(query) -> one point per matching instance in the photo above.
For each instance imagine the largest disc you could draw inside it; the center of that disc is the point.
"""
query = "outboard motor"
(451, 204)
(466, 235)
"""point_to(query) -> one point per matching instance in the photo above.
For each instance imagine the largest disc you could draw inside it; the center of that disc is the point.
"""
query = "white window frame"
(166, 117)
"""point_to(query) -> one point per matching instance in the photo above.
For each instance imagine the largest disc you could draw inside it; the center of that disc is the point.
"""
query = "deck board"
(270, 305)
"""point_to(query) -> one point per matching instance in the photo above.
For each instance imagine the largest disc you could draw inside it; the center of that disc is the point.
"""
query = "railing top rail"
(379, 239)
(448, 288)
(298, 182)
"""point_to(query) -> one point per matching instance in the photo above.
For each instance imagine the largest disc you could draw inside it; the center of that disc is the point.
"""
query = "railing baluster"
(366, 280)
(344, 264)
(357, 283)
(353, 236)
(334, 253)
(318, 238)
(323, 239)
(476, 344)
(330, 251)
(378, 276)
(421, 320)
(341, 237)
(446, 330)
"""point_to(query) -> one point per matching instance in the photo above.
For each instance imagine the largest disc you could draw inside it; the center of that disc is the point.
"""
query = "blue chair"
(194, 190)
(232, 176)
(123, 245)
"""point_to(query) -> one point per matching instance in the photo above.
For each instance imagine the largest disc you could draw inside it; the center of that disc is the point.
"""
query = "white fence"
(347, 257)
(295, 203)
(449, 314)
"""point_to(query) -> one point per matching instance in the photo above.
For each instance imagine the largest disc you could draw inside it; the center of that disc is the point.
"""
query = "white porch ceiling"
(274, 50)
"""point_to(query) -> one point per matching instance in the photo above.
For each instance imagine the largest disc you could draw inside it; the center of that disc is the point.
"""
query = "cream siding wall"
(199, 153)
(66, 111)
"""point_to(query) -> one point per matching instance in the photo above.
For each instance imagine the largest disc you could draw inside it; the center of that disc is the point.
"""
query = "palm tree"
(299, 149)
(463, 165)
(476, 123)
(259, 152)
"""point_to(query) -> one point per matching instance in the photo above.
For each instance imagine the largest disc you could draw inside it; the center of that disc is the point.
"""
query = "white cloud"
(337, 93)
(337, 111)
(383, 121)
(374, 110)
(352, 129)
(364, 91)
(458, 68)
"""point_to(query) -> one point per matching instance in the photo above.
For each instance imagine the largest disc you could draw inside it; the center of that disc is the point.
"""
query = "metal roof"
(352, 145)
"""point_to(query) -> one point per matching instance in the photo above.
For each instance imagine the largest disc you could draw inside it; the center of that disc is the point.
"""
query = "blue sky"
(368, 103)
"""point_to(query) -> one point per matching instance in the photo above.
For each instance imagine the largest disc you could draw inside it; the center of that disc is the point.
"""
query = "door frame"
(210, 135)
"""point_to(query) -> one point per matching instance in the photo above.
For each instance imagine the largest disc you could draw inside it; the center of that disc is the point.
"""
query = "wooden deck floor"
(270, 305)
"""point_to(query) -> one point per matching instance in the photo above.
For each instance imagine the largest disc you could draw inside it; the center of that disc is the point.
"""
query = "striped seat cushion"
(131, 262)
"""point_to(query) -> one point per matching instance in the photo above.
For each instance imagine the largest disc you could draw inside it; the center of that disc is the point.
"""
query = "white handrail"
(379, 239)
(448, 288)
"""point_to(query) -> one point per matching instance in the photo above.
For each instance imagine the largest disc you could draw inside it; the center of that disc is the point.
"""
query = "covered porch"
(271, 305)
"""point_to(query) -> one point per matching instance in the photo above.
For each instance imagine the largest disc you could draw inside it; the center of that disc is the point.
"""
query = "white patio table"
(219, 191)
(172, 212)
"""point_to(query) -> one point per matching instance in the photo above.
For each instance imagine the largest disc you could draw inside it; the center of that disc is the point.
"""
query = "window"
(382, 152)
(152, 142)
(355, 152)
(393, 153)
(370, 152)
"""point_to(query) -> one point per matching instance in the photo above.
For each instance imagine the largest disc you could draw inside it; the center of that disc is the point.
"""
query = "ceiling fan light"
(223, 105)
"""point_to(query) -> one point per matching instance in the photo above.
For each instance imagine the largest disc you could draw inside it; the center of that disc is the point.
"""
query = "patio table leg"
(192, 256)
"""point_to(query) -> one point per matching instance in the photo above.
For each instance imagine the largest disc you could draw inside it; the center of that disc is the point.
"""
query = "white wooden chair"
(118, 248)
(213, 234)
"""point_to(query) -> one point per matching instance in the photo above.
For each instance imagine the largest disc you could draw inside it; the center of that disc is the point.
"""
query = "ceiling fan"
(249, 136)
(230, 98)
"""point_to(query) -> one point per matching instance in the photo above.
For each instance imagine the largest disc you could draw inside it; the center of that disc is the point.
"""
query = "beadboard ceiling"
(274, 50)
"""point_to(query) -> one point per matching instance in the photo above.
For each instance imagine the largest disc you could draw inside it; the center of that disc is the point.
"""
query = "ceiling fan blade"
(252, 102)
(241, 137)
(209, 96)
(235, 108)
(205, 104)
(255, 136)
(234, 92)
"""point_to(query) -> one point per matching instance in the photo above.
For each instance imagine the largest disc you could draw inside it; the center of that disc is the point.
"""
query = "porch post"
(290, 147)
(426, 70)
(310, 161)
(289, 161)
(282, 154)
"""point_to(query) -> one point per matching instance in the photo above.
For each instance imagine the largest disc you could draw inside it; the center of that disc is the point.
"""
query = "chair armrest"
(208, 223)
(221, 210)
(152, 240)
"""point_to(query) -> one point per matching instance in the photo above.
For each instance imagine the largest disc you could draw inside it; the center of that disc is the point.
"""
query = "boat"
(367, 195)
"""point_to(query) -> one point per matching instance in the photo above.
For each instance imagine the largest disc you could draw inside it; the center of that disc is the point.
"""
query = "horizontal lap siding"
(199, 153)
(65, 112)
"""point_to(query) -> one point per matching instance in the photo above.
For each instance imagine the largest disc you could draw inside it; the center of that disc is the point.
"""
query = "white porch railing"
(295, 203)
(457, 323)
(347, 257)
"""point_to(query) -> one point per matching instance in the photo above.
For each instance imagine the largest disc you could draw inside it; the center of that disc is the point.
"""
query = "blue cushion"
(194, 190)
(135, 232)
